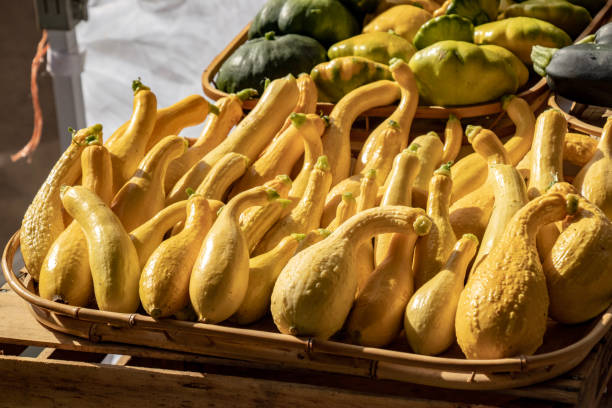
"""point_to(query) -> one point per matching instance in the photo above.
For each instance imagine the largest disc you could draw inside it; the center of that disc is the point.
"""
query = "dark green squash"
(269, 57)
(327, 21)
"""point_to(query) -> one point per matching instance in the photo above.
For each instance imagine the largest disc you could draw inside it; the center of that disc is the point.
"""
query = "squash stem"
(247, 93)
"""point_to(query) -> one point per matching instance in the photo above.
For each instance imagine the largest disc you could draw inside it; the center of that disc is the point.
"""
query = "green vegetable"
(478, 11)
(563, 14)
(377, 46)
(522, 73)
(336, 78)
(327, 21)
(445, 27)
(269, 57)
(520, 34)
(452, 73)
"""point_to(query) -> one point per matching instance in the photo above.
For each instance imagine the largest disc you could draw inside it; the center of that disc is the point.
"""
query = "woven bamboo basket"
(564, 346)
(533, 90)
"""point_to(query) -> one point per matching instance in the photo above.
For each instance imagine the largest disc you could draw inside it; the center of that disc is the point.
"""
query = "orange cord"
(30, 147)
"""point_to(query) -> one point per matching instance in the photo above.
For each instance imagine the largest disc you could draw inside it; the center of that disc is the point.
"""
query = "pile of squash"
(462, 52)
(365, 249)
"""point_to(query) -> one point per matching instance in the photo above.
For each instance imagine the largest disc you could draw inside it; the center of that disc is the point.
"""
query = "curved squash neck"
(368, 189)
(460, 257)
(521, 115)
(198, 211)
(376, 221)
(156, 161)
(403, 175)
(244, 200)
(161, 222)
(488, 145)
(538, 212)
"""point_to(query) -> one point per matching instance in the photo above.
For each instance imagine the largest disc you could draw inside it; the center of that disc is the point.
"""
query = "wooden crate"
(68, 372)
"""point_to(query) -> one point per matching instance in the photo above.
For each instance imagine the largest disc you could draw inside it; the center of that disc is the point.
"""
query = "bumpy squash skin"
(263, 271)
(570, 18)
(268, 57)
(346, 209)
(112, 256)
(150, 234)
(328, 21)
(403, 20)
(170, 120)
(222, 175)
(313, 149)
(306, 215)
(577, 269)
(129, 147)
(336, 139)
(594, 181)
(164, 281)
(65, 276)
(315, 290)
(520, 34)
(377, 46)
(283, 152)
(224, 116)
(220, 276)
(503, 309)
(429, 319)
(249, 137)
(432, 251)
(451, 73)
(578, 148)
(341, 75)
(42, 222)
(143, 195)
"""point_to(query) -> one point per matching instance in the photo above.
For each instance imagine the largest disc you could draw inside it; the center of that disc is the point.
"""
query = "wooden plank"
(46, 353)
(26, 383)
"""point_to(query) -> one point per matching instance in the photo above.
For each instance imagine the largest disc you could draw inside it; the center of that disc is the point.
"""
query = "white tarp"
(167, 43)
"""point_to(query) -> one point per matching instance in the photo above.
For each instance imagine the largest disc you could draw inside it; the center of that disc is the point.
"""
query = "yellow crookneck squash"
(112, 257)
(257, 220)
(376, 317)
(43, 221)
(429, 319)
(364, 261)
(336, 139)
(578, 269)
(249, 137)
(383, 144)
(430, 155)
(283, 152)
(547, 167)
(142, 196)
(128, 147)
(220, 275)
(306, 215)
(471, 213)
(263, 271)
(406, 166)
(503, 309)
(222, 175)
(316, 289)
(469, 173)
(594, 181)
(65, 276)
(164, 281)
(432, 251)
(226, 113)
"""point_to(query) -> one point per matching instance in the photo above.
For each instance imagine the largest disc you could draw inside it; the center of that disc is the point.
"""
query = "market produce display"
(272, 213)
(376, 31)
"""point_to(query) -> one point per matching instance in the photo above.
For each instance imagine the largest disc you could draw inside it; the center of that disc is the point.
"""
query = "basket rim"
(512, 365)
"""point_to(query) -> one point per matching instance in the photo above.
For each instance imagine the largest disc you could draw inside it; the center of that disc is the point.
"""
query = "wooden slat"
(46, 353)
(26, 383)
